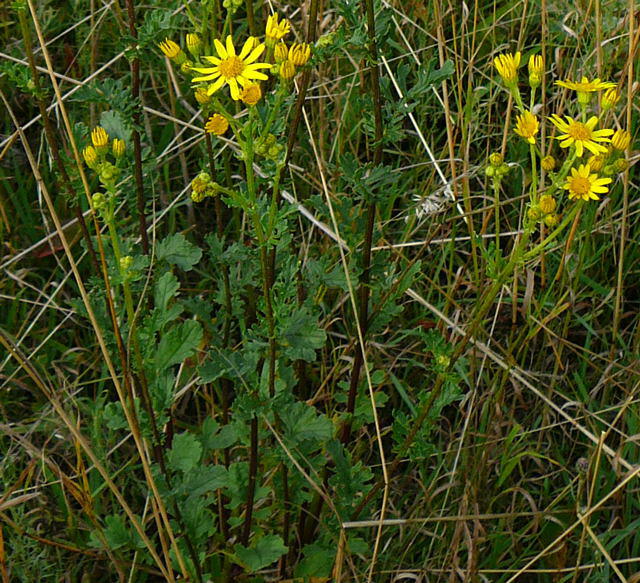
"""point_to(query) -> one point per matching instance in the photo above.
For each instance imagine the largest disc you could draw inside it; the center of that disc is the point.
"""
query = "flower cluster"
(578, 136)
(97, 154)
(202, 186)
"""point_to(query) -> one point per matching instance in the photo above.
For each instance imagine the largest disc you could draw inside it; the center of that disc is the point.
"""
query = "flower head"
(548, 163)
(280, 52)
(584, 185)
(507, 66)
(276, 30)
(194, 44)
(287, 70)
(527, 126)
(621, 140)
(231, 69)
(90, 156)
(201, 95)
(610, 98)
(251, 94)
(299, 54)
(99, 137)
(596, 163)
(581, 135)
(217, 125)
(585, 87)
(172, 51)
(118, 147)
(536, 70)
(547, 204)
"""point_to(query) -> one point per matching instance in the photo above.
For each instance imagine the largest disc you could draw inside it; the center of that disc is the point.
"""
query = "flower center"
(579, 131)
(580, 185)
(231, 67)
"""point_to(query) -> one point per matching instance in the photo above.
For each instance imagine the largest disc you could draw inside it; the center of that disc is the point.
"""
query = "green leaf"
(115, 125)
(301, 422)
(302, 336)
(185, 452)
(178, 343)
(165, 289)
(215, 437)
(116, 532)
(176, 250)
(261, 554)
(202, 480)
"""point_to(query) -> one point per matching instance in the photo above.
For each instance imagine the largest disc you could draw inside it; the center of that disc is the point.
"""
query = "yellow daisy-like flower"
(507, 66)
(584, 185)
(232, 69)
(581, 135)
(586, 86)
(527, 126)
(276, 30)
(217, 125)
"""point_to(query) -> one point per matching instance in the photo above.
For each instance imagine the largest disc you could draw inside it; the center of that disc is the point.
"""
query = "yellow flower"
(596, 163)
(217, 125)
(581, 135)
(99, 137)
(251, 94)
(118, 147)
(90, 156)
(507, 66)
(548, 163)
(172, 51)
(280, 52)
(547, 204)
(621, 140)
(610, 98)
(586, 86)
(536, 70)
(527, 126)
(287, 70)
(194, 44)
(552, 220)
(202, 97)
(234, 70)
(299, 54)
(584, 185)
(276, 30)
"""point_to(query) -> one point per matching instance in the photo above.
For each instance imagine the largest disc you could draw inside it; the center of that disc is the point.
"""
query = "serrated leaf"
(116, 532)
(114, 123)
(302, 336)
(202, 480)
(301, 422)
(176, 250)
(178, 343)
(261, 554)
(165, 289)
(185, 452)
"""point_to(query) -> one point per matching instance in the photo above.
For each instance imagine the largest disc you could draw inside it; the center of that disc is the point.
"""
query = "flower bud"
(503, 169)
(251, 94)
(621, 140)
(217, 125)
(299, 54)
(287, 70)
(610, 98)
(126, 262)
(202, 97)
(496, 159)
(118, 148)
(552, 220)
(490, 171)
(280, 52)
(194, 44)
(596, 163)
(90, 156)
(536, 70)
(172, 51)
(185, 67)
(100, 138)
(621, 165)
(533, 213)
(547, 204)
(108, 173)
(548, 163)
(98, 200)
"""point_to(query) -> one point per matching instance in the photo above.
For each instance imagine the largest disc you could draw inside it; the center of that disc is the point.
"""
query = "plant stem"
(137, 147)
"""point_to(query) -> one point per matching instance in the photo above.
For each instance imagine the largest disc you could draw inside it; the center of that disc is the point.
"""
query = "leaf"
(301, 422)
(202, 480)
(185, 452)
(114, 123)
(261, 554)
(165, 289)
(176, 250)
(215, 437)
(116, 532)
(302, 336)
(178, 343)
